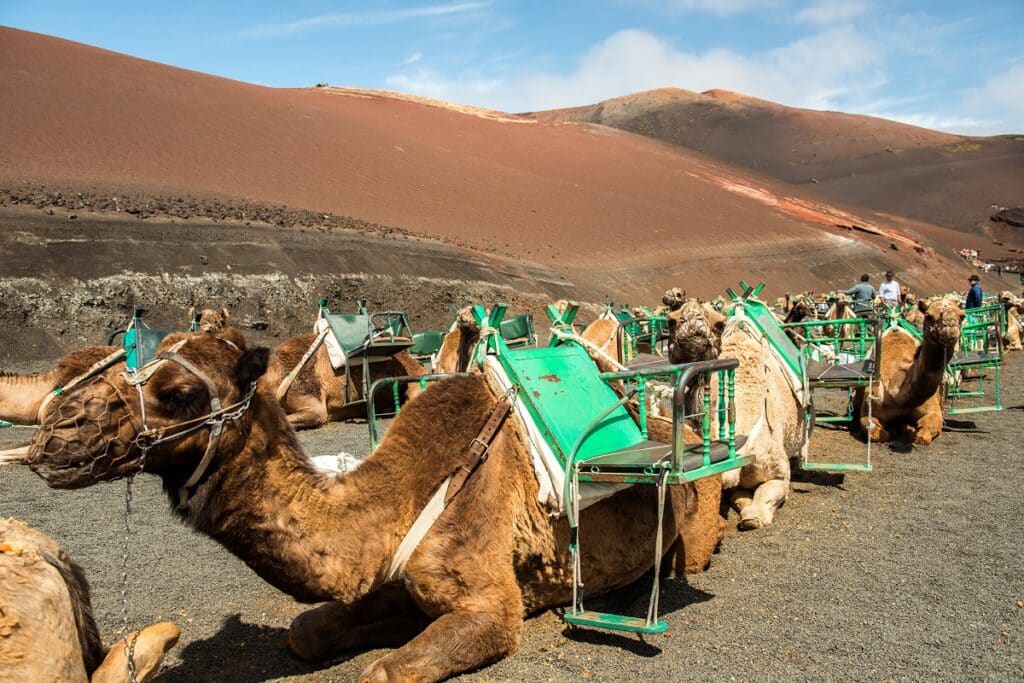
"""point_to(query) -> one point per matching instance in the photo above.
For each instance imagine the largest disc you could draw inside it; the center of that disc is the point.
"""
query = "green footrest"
(836, 467)
(615, 622)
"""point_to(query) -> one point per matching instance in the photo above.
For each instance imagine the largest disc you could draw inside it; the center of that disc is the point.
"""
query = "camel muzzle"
(84, 439)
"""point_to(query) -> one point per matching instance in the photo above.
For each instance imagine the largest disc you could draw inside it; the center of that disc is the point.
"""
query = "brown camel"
(493, 556)
(317, 394)
(47, 629)
(210, 320)
(911, 374)
(22, 395)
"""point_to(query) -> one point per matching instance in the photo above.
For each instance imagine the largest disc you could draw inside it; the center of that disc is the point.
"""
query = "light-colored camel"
(768, 409)
(317, 396)
(47, 629)
(1013, 309)
(907, 395)
(210, 320)
(493, 556)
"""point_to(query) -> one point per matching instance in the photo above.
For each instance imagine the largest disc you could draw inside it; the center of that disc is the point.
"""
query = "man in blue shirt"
(974, 293)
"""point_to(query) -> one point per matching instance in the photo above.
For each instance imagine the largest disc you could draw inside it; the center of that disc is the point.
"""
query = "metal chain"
(129, 644)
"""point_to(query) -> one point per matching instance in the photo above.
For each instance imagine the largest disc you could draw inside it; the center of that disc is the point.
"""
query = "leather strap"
(286, 383)
(479, 446)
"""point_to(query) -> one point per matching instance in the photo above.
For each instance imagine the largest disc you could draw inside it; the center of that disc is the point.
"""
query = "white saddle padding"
(334, 350)
(547, 467)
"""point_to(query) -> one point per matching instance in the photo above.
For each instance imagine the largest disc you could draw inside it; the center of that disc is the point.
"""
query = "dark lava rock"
(1014, 217)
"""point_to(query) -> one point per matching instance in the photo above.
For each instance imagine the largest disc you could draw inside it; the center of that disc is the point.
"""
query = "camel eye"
(180, 398)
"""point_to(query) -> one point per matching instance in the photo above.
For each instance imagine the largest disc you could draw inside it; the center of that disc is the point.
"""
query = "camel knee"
(313, 635)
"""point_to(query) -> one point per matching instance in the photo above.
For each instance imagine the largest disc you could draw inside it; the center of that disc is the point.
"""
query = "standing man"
(890, 292)
(974, 293)
(863, 294)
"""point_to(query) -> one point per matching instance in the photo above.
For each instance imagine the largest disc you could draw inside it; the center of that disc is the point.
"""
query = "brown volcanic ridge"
(940, 178)
(625, 215)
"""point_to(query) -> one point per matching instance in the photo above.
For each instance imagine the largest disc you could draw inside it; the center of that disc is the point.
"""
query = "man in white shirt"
(890, 292)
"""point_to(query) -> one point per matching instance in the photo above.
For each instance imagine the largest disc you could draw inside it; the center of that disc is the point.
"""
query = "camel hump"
(151, 644)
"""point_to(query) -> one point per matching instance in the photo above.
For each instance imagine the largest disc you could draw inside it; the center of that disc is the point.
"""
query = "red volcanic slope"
(576, 195)
(936, 177)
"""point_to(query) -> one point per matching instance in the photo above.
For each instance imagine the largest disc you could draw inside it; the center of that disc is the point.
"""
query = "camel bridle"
(149, 438)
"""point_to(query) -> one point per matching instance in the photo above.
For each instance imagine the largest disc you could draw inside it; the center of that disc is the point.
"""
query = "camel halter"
(147, 438)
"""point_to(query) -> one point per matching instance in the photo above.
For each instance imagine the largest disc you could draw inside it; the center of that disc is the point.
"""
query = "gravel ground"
(912, 572)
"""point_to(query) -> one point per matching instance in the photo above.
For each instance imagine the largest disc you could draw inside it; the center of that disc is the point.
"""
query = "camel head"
(212, 321)
(695, 332)
(462, 337)
(803, 307)
(943, 318)
(674, 298)
(95, 432)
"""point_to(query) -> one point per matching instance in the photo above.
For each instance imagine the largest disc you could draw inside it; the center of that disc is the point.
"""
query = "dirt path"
(911, 572)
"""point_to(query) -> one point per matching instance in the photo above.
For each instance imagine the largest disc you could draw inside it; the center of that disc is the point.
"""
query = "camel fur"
(911, 373)
(769, 413)
(492, 557)
(47, 629)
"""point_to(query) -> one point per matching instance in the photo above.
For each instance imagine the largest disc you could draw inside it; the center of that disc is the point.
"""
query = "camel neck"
(313, 536)
(926, 373)
(20, 395)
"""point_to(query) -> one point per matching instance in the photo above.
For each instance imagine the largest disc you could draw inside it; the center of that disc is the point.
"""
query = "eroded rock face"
(1014, 217)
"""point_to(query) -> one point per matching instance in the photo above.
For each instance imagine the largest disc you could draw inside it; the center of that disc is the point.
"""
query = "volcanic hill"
(936, 177)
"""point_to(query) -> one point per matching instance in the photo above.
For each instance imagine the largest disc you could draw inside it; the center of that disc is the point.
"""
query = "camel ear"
(251, 367)
(224, 313)
(191, 313)
(719, 326)
(922, 306)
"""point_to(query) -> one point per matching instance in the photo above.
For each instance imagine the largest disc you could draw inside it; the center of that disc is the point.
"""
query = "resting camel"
(1013, 308)
(456, 602)
(911, 374)
(21, 396)
(768, 409)
(47, 629)
(316, 396)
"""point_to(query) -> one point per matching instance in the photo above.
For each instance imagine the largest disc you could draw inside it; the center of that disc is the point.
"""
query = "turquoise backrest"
(140, 344)
(561, 387)
(771, 328)
(519, 327)
(427, 343)
(351, 331)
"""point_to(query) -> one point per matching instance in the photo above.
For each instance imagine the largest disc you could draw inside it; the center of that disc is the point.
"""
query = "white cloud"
(412, 59)
(1001, 99)
(356, 19)
(810, 72)
(832, 11)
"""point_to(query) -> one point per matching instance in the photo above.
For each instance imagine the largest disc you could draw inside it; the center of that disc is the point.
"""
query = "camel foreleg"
(387, 618)
(928, 427)
(455, 642)
(759, 511)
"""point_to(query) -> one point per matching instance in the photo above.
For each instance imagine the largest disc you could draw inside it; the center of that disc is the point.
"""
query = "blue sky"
(955, 66)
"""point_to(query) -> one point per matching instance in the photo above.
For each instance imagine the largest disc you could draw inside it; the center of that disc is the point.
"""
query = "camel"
(209, 320)
(456, 602)
(316, 393)
(47, 629)
(1013, 310)
(768, 408)
(911, 375)
(21, 396)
